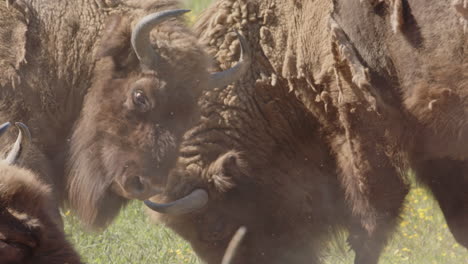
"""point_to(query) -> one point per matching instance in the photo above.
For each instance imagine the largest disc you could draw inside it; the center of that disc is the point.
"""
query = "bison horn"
(234, 245)
(194, 201)
(221, 79)
(4, 127)
(141, 36)
(17, 147)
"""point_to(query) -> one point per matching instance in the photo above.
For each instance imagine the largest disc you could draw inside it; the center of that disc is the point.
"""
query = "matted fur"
(332, 115)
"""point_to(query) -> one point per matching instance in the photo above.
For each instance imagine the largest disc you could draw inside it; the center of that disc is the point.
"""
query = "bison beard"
(91, 198)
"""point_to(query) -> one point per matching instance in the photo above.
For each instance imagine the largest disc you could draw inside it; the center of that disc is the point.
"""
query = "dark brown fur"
(68, 71)
(373, 90)
(262, 158)
(28, 229)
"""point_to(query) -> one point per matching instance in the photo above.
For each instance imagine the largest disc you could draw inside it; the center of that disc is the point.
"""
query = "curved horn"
(194, 201)
(221, 79)
(17, 147)
(141, 36)
(233, 245)
(4, 127)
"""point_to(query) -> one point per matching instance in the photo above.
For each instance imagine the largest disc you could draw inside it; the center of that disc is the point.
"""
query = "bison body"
(342, 98)
(106, 97)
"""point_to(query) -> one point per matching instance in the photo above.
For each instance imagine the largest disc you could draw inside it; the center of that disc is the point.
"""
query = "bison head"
(143, 97)
(205, 205)
(197, 203)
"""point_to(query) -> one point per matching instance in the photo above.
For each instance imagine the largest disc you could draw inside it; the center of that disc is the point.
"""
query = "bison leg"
(368, 246)
(375, 192)
(448, 181)
(368, 240)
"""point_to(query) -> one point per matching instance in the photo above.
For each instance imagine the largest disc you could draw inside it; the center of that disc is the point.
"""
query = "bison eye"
(140, 101)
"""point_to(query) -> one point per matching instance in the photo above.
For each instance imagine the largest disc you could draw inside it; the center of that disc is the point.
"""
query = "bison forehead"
(181, 52)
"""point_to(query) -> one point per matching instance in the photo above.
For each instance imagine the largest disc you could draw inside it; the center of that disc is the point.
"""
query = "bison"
(107, 88)
(29, 232)
(341, 99)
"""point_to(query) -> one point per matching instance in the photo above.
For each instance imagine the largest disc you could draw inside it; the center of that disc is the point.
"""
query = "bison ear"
(226, 169)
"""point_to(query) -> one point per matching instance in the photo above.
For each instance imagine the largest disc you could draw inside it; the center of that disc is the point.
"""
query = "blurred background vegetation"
(422, 237)
(197, 6)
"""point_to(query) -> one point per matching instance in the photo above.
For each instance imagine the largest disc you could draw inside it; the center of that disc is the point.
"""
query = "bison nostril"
(135, 185)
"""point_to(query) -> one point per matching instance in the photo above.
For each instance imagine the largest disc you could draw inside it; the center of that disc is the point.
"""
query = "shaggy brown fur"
(28, 230)
(281, 186)
(68, 71)
(336, 109)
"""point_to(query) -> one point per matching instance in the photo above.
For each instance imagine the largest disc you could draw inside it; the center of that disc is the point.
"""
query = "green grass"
(197, 5)
(422, 236)
(130, 239)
